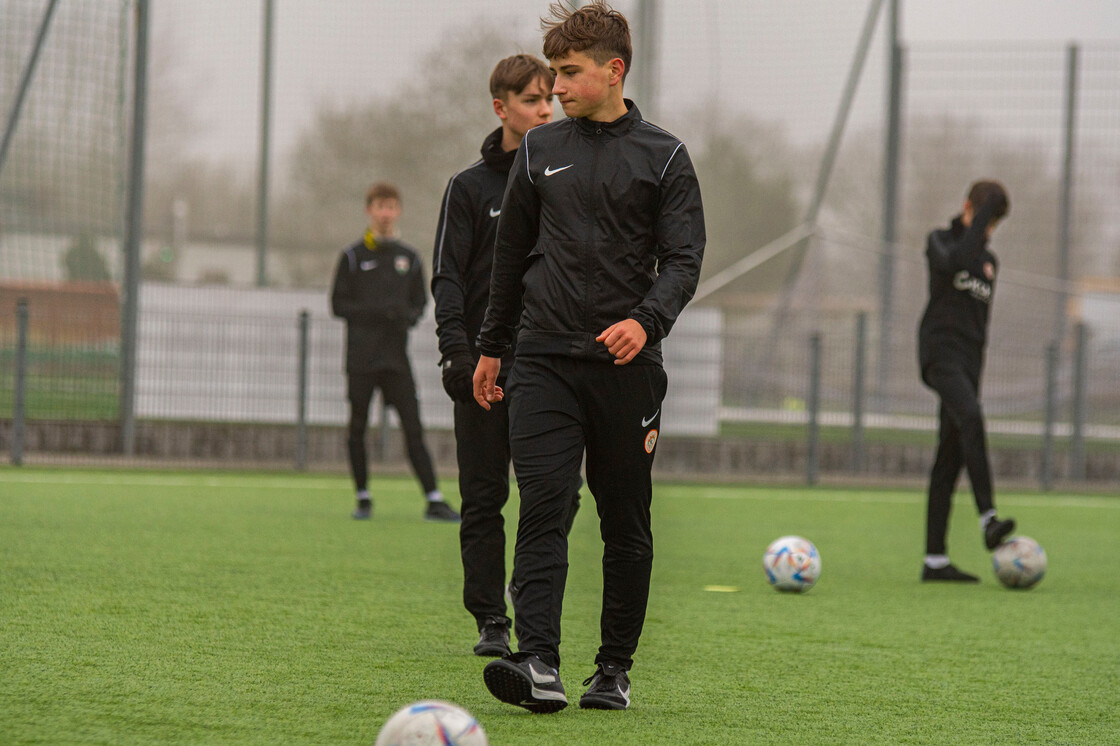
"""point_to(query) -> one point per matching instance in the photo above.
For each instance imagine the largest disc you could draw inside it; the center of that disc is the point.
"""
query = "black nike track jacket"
(600, 222)
(380, 294)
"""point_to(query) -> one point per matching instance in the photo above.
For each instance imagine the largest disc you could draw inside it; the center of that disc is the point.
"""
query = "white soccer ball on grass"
(432, 723)
(792, 563)
(1019, 562)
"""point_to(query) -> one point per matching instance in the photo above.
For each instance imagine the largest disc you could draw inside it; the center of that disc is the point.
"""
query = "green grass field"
(148, 607)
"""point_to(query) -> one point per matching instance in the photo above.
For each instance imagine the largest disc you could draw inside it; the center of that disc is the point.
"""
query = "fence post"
(859, 449)
(1047, 476)
(301, 406)
(813, 457)
(20, 394)
(1080, 364)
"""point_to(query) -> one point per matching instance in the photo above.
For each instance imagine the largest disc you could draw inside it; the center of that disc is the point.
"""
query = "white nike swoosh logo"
(366, 266)
(549, 171)
(495, 213)
(651, 419)
(545, 678)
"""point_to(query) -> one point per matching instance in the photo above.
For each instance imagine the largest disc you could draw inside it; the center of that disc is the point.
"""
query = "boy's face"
(383, 215)
(522, 111)
(583, 85)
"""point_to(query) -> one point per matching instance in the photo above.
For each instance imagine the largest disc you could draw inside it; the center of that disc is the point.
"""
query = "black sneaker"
(609, 690)
(364, 510)
(525, 680)
(949, 572)
(440, 511)
(996, 531)
(493, 637)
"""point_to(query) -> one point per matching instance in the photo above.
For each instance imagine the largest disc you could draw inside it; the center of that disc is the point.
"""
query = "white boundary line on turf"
(176, 481)
(1034, 501)
(723, 493)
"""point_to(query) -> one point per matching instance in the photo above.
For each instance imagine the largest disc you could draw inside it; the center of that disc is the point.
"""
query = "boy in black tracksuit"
(599, 248)
(521, 87)
(379, 290)
(951, 342)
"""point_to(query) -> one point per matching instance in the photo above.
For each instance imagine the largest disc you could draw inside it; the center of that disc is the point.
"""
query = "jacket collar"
(957, 229)
(493, 155)
(618, 127)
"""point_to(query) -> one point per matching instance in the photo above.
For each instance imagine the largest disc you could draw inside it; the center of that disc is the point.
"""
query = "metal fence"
(254, 377)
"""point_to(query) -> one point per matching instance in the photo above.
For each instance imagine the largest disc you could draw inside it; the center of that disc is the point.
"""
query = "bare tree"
(416, 137)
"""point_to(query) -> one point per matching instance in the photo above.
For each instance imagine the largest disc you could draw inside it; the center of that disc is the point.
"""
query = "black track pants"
(961, 442)
(482, 450)
(560, 408)
(399, 391)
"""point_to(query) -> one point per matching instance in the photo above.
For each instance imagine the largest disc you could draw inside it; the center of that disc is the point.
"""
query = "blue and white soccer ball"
(431, 723)
(1019, 562)
(792, 563)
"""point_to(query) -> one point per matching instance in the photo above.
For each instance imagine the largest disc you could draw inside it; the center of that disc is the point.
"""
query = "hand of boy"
(624, 340)
(485, 380)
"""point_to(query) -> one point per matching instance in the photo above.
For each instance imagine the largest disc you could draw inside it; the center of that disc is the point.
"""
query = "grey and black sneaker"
(363, 511)
(996, 531)
(525, 680)
(441, 512)
(609, 690)
(493, 637)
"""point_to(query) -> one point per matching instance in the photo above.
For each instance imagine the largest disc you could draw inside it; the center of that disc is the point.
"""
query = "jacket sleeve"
(949, 255)
(450, 263)
(417, 297)
(680, 248)
(344, 302)
(518, 228)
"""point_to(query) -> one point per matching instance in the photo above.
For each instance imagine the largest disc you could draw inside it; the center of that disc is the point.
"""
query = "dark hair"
(986, 190)
(514, 74)
(595, 28)
(382, 190)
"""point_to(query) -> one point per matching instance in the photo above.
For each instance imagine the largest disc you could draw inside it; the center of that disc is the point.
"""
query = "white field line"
(721, 493)
(276, 483)
(1040, 501)
(906, 422)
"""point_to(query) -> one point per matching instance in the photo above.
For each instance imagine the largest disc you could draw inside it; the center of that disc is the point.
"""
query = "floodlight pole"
(645, 69)
(1065, 196)
(134, 228)
(265, 137)
(890, 203)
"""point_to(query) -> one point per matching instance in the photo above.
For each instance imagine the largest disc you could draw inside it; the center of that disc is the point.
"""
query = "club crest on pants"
(651, 440)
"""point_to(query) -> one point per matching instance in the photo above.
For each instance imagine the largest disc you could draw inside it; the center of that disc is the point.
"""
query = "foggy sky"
(784, 61)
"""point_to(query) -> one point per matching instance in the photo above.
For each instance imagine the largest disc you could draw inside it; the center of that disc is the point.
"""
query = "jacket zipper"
(589, 249)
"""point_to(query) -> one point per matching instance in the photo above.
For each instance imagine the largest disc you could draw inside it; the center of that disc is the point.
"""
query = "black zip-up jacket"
(962, 281)
(464, 248)
(380, 293)
(600, 222)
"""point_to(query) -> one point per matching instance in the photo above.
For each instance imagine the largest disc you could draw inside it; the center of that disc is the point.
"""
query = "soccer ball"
(431, 723)
(792, 563)
(1019, 562)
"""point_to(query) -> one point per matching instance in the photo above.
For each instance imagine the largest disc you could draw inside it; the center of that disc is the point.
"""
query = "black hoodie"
(464, 248)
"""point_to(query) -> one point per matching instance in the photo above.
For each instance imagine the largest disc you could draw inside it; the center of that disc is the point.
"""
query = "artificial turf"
(151, 607)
